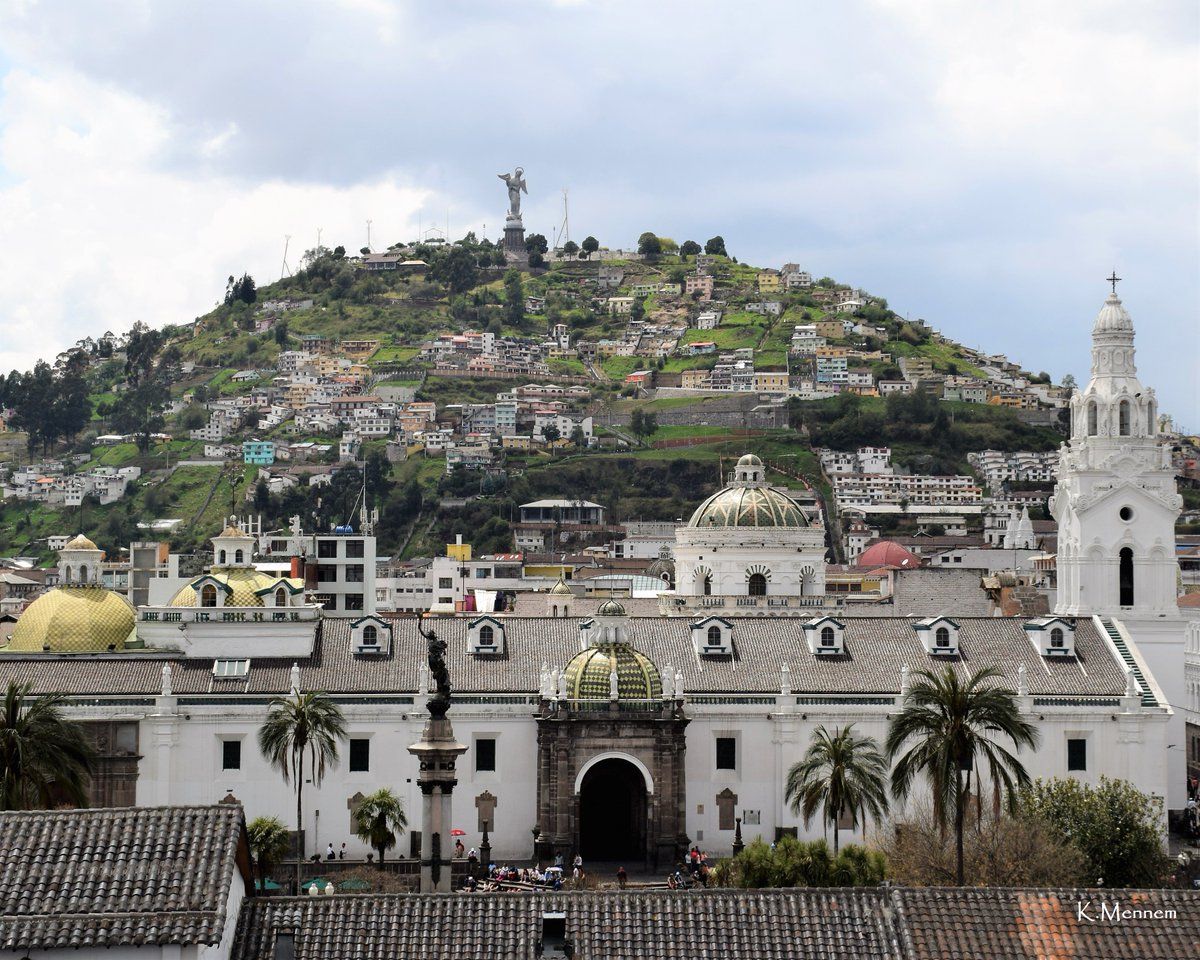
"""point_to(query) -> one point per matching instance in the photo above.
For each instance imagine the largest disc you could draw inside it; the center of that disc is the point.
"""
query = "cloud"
(982, 166)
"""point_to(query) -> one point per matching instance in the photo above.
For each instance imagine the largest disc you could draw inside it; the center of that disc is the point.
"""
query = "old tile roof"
(876, 649)
(929, 591)
(781, 925)
(952, 923)
(107, 878)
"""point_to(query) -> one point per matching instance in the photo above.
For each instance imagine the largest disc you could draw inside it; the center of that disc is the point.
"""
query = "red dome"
(887, 553)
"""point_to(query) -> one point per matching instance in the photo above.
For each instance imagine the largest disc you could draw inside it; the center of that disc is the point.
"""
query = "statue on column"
(439, 703)
(515, 182)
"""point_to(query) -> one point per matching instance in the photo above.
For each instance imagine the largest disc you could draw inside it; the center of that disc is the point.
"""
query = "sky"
(982, 166)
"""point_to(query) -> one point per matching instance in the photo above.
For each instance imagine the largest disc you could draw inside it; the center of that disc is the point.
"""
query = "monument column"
(436, 752)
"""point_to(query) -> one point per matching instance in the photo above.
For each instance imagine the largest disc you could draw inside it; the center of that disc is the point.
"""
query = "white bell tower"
(1115, 502)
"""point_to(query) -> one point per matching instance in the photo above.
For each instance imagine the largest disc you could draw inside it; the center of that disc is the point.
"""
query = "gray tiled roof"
(876, 649)
(813, 924)
(782, 925)
(930, 591)
(106, 878)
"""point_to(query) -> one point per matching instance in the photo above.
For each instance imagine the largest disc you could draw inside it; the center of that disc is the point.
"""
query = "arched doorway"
(612, 812)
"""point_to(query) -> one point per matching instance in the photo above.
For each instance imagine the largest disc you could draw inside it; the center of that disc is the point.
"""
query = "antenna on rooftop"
(563, 233)
(285, 270)
(368, 234)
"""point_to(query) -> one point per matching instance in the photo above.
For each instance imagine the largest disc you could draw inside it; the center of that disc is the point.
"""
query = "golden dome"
(587, 674)
(232, 531)
(74, 620)
(80, 542)
(561, 588)
(242, 581)
(748, 506)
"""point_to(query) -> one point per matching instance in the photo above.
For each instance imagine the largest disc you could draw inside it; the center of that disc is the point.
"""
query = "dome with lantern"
(748, 501)
(233, 575)
(589, 674)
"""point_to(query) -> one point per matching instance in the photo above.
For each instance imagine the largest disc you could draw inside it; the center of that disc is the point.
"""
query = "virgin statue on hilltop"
(516, 185)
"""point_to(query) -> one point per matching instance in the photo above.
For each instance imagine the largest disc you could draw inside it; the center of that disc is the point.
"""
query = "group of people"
(696, 868)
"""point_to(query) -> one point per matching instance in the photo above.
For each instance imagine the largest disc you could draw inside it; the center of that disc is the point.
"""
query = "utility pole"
(285, 269)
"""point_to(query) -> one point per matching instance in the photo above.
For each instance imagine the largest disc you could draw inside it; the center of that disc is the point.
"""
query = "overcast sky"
(983, 166)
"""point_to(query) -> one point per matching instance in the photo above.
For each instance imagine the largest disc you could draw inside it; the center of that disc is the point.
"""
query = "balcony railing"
(229, 615)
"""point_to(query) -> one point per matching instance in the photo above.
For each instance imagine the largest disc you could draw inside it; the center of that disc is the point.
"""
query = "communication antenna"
(285, 270)
(318, 238)
(564, 230)
(368, 234)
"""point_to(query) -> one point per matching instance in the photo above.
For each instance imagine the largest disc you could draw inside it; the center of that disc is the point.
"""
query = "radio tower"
(368, 235)
(564, 230)
(285, 270)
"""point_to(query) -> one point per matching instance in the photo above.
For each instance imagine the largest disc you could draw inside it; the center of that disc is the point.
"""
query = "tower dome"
(610, 608)
(1113, 317)
(74, 619)
(740, 505)
(589, 674)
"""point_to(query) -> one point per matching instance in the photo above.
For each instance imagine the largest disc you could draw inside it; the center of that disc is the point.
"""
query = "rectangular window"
(354, 601)
(1076, 753)
(354, 573)
(329, 601)
(360, 755)
(354, 548)
(485, 753)
(231, 754)
(327, 549)
(326, 574)
(726, 753)
(445, 583)
(230, 669)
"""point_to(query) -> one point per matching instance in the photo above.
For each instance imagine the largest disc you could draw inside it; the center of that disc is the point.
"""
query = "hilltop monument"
(514, 227)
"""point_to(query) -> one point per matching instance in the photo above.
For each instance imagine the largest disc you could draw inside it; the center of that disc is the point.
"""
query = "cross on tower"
(1114, 280)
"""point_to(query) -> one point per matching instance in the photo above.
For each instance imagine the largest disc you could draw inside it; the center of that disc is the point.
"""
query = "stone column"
(436, 752)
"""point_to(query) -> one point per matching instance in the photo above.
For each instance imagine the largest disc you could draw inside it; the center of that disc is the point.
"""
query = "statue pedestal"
(436, 752)
(514, 241)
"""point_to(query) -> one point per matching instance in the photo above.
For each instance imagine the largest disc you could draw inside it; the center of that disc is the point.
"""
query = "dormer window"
(825, 636)
(1052, 636)
(485, 636)
(939, 635)
(208, 595)
(371, 635)
(713, 637)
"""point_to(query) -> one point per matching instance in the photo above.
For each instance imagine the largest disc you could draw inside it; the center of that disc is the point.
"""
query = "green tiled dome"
(745, 506)
(588, 671)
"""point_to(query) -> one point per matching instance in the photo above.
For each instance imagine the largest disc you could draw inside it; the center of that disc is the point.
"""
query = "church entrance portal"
(612, 812)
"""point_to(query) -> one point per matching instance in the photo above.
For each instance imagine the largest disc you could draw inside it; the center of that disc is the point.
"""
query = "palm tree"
(378, 820)
(842, 773)
(269, 843)
(951, 725)
(298, 726)
(43, 755)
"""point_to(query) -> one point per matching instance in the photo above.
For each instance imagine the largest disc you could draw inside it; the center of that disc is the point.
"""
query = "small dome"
(80, 542)
(610, 608)
(749, 460)
(742, 506)
(244, 582)
(1113, 317)
(74, 620)
(561, 589)
(662, 567)
(588, 672)
(232, 531)
(887, 553)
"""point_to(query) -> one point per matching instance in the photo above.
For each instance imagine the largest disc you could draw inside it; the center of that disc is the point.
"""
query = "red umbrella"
(458, 833)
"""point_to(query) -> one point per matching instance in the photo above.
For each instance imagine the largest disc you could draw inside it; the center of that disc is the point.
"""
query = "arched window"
(370, 635)
(708, 586)
(827, 636)
(758, 585)
(714, 635)
(1123, 418)
(554, 610)
(485, 636)
(281, 597)
(1126, 577)
(565, 611)
(221, 559)
(238, 556)
(941, 637)
(83, 573)
(1056, 637)
(1093, 417)
(208, 595)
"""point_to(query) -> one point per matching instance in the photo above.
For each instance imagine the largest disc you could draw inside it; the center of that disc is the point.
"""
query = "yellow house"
(831, 329)
(694, 379)
(768, 281)
(516, 443)
(771, 381)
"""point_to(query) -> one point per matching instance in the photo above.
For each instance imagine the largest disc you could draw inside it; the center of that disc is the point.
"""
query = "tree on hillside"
(590, 246)
(650, 246)
(638, 310)
(946, 731)
(140, 411)
(456, 271)
(141, 351)
(570, 248)
(689, 248)
(537, 246)
(578, 439)
(242, 289)
(280, 332)
(514, 299)
(716, 245)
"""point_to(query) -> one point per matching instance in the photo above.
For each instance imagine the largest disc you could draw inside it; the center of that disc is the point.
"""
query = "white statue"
(515, 182)
(904, 680)
(561, 684)
(1022, 681)
(668, 679)
(1131, 684)
(614, 686)
(166, 680)
(678, 685)
(785, 681)
(423, 679)
(295, 678)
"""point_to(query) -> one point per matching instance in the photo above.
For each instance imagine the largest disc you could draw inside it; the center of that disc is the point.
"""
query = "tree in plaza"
(456, 271)
(1114, 825)
(841, 774)
(570, 248)
(302, 727)
(689, 248)
(514, 299)
(716, 245)
(945, 731)
(44, 757)
(269, 844)
(590, 246)
(650, 246)
(379, 819)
